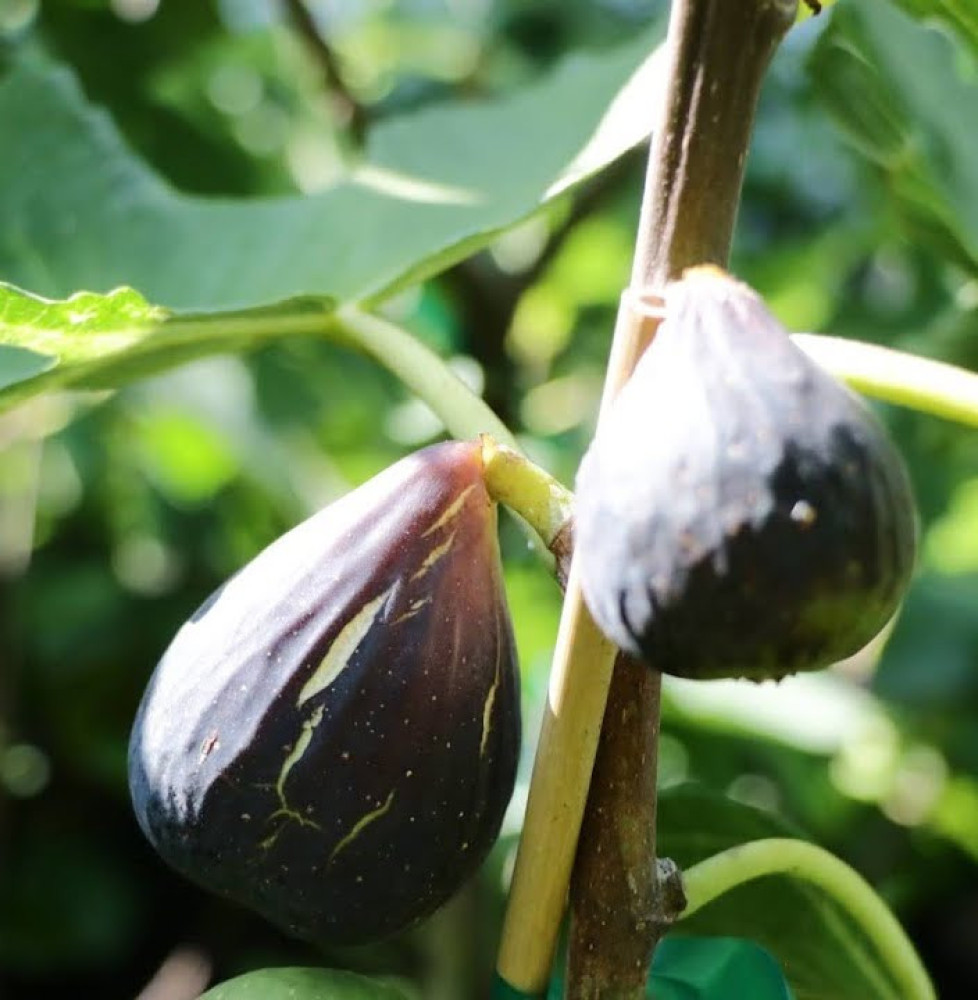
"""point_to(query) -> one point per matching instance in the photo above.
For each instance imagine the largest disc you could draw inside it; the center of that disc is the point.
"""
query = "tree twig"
(349, 112)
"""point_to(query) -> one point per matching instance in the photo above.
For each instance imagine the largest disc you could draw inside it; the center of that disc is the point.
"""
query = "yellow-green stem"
(461, 410)
(706, 881)
(512, 479)
(918, 383)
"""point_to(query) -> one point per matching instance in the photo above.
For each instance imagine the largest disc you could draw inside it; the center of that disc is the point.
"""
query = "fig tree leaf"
(81, 211)
(900, 89)
(961, 16)
(824, 955)
(93, 341)
(688, 968)
(305, 984)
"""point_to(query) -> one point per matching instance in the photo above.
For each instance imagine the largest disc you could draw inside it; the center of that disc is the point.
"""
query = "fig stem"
(543, 502)
(711, 878)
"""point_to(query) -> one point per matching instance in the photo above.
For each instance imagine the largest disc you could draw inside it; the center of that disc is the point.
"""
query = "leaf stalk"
(711, 878)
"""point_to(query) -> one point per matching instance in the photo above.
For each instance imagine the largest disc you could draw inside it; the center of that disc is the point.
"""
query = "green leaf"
(438, 184)
(102, 341)
(304, 984)
(81, 211)
(687, 968)
(823, 954)
(899, 89)
(959, 15)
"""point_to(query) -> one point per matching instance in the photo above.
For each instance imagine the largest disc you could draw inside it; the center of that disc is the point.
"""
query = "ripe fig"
(332, 738)
(740, 513)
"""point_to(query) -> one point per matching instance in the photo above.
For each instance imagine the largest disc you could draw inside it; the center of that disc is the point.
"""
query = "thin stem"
(706, 881)
(349, 110)
(424, 373)
(579, 680)
(465, 415)
(532, 493)
(919, 383)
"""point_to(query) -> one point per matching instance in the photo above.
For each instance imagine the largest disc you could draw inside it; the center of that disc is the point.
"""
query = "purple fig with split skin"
(332, 738)
(740, 513)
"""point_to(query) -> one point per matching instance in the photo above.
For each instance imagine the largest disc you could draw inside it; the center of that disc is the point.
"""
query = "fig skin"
(332, 738)
(740, 513)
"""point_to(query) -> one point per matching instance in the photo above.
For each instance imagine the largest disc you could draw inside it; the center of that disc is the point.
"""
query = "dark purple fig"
(740, 513)
(332, 738)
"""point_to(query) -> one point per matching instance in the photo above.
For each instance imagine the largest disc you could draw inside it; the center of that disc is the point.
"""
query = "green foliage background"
(120, 512)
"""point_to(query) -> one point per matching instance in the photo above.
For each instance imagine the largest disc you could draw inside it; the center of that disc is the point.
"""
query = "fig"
(332, 738)
(740, 513)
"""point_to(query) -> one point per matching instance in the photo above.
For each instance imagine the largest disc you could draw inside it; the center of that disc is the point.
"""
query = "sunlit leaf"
(101, 341)
(82, 212)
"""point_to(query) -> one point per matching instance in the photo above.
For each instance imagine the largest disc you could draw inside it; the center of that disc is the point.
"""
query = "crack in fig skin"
(359, 767)
(740, 512)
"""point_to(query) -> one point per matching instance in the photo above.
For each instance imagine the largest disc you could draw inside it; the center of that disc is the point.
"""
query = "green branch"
(719, 874)
(896, 377)
(427, 375)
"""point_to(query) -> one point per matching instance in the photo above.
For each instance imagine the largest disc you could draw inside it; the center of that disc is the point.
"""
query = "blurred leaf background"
(119, 514)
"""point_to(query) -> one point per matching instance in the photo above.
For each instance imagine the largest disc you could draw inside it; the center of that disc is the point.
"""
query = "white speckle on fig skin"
(803, 514)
